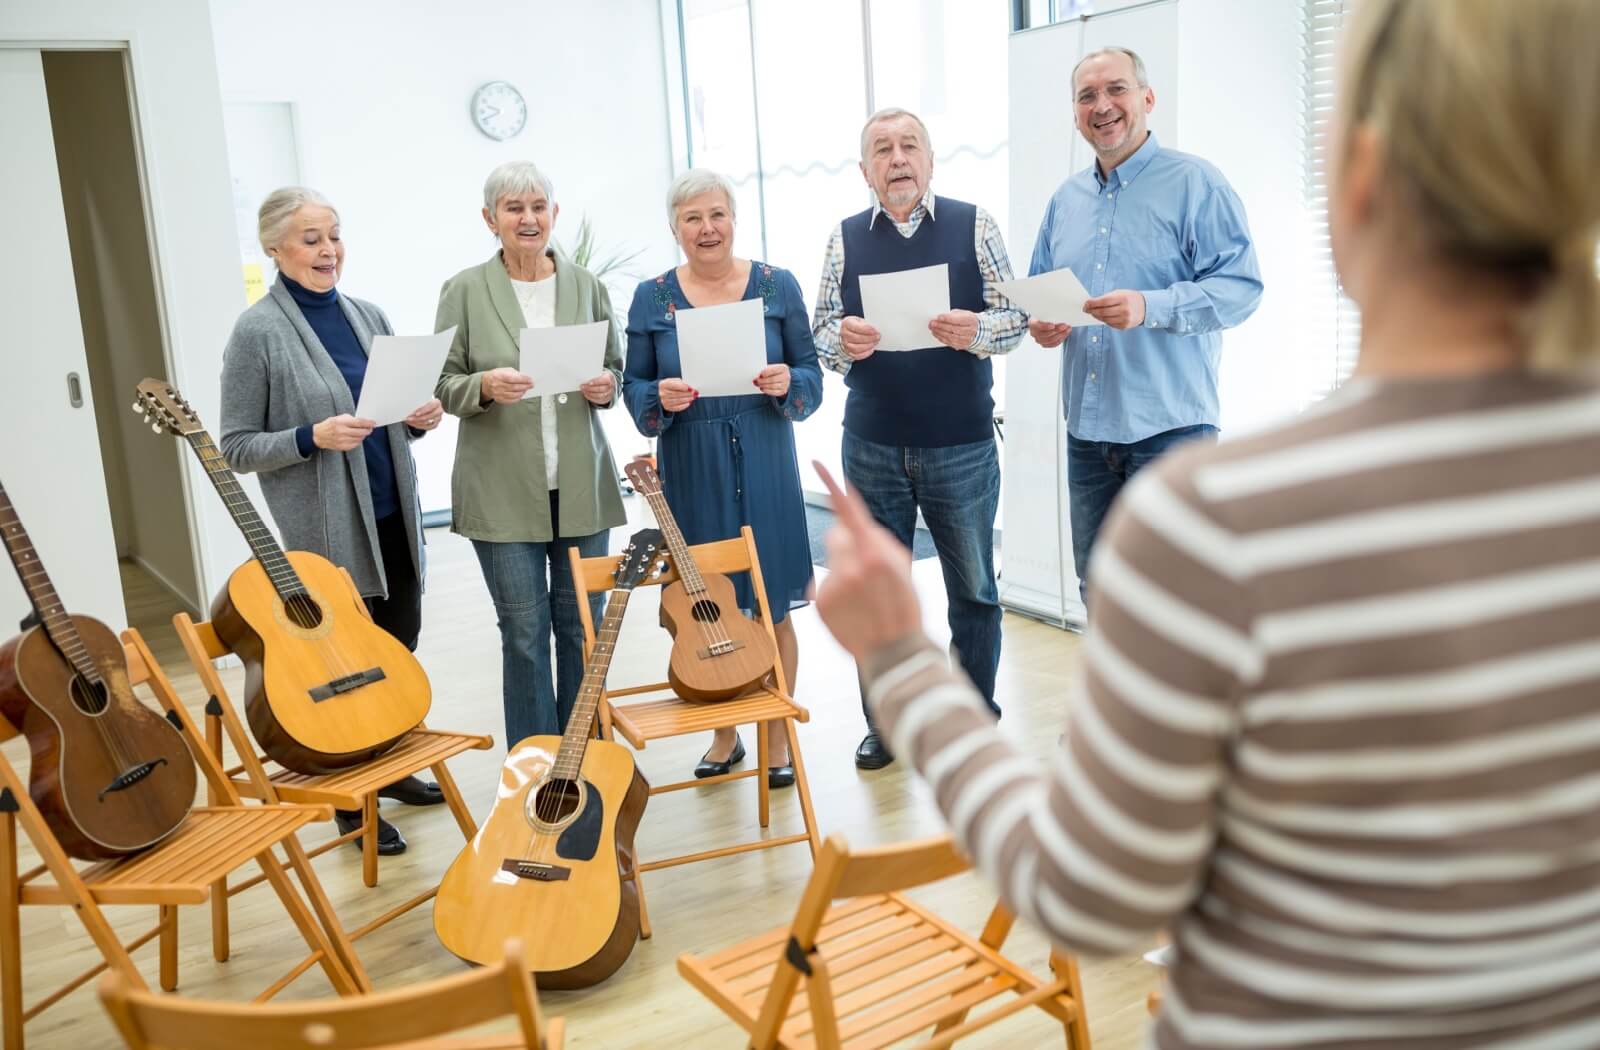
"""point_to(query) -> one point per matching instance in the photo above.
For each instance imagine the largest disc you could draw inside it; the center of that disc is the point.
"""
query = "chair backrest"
(842, 872)
(406, 1016)
(144, 669)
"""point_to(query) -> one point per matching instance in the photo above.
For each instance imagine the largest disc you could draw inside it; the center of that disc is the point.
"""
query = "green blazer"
(498, 490)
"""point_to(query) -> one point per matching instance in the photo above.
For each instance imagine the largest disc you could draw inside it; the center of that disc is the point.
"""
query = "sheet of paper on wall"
(1056, 297)
(900, 305)
(561, 359)
(723, 348)
(402, 371)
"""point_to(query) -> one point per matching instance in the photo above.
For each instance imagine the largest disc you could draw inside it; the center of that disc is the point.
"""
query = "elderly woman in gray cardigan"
(336, 484)
(533, 475)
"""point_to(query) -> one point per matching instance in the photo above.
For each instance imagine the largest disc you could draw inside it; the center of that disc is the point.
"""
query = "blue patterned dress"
(726, 462)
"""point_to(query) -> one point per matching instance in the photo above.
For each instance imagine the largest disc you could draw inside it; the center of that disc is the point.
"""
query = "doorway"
(113, 269)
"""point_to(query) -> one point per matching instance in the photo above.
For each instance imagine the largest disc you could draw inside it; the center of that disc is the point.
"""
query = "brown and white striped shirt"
(1339, 730)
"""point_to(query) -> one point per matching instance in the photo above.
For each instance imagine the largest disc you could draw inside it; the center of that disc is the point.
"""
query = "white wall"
(179, 113)
(380, 94)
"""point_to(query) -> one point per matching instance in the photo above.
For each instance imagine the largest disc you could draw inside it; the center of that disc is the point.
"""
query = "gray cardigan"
(277, 376)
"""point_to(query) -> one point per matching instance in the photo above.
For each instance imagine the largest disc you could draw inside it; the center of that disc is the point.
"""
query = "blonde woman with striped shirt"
(1339, 729)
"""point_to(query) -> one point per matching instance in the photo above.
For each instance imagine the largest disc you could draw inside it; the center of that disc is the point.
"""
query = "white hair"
(514, 177)
(894, 113)
(693, 182)
(272, 220)
(1139, 74)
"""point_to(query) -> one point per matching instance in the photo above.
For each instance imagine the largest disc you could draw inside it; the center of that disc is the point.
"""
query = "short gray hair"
(272, 220)
(893, 113)
(1138, 65)
(692, 183)
(513, 177)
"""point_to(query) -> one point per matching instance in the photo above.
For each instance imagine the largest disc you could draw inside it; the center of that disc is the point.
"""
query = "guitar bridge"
(722, 648)
(328, 690)
(130, 778)
(536, 871)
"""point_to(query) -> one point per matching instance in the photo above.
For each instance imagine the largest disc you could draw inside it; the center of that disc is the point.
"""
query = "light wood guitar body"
(326, 688)
(555, 884)
(549, 866)
(301, 715)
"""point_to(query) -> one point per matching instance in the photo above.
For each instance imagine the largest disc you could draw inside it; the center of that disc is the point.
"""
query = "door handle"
(74, 390)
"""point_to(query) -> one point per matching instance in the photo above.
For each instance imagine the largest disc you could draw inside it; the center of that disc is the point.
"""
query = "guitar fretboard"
(263, 544)
(42, 593)
(688, 572)
(569, 760)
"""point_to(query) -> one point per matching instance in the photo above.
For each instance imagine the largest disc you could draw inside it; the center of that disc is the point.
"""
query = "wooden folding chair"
(409, 1016)
(348, 789)
(182, 869)
(670, 715)
(879, 968)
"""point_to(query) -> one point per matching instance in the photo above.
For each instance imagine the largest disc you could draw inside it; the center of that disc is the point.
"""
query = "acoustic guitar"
(717, 652)
(325, 687)
(547, 865)
(110, 776)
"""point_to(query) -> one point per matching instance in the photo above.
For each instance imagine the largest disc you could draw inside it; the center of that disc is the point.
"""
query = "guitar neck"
(682, 560)
(263, 545)
(41, 592)
(580, 727)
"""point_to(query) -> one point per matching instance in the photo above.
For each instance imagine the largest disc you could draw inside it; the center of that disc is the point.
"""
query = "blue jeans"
(1096, 472)
(533, 591)
(958, 490)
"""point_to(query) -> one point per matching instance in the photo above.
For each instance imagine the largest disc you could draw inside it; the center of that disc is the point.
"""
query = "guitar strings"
(712, 632)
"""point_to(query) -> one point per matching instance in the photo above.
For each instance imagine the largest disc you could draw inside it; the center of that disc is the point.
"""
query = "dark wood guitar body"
(108, 783)
(717, 652)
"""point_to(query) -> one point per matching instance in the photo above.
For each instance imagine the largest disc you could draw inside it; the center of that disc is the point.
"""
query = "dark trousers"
(957, 488)
(1096, 472)
(401, 612)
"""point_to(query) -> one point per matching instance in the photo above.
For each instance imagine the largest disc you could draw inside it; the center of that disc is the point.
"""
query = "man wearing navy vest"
(918, 425)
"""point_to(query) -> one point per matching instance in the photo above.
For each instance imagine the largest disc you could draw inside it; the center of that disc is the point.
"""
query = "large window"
(773, 94)
(1332, 318)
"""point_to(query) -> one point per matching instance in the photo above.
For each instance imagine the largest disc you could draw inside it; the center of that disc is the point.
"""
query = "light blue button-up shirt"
(1168, 225)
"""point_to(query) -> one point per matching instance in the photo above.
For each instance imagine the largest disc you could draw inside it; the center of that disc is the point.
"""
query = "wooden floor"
(698, 907)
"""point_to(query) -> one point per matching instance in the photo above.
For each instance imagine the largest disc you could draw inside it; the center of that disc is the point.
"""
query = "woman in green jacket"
(533, 474)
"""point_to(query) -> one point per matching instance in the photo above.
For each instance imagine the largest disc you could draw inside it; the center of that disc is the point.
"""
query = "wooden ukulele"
(325, 687)
(717, 652)
(110, 776)
(548, 864)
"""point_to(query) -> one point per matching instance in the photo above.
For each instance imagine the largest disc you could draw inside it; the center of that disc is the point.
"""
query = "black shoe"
(390, 841)
(413, 791)
(871, 754)
(707, 768)
(780, 776)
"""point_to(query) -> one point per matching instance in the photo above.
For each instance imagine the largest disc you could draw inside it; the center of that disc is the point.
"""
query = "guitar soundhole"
(707, 611)
(303, 611)
(88, 697)
(556, 801)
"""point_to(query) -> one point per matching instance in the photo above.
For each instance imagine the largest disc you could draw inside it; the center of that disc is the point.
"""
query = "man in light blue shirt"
(1159, 240)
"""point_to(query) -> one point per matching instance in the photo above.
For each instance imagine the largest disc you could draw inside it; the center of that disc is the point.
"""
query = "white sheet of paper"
(402, 371)
(1056, 297)
(900, 305)
(723, 348)
(561, 359)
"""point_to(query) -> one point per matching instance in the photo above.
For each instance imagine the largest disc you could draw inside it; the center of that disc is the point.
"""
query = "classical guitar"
(548, 864)
(110, 776)
(325, 687)
(717, 652)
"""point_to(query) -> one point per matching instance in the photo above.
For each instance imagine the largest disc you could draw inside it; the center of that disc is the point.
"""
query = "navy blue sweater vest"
(929, 398)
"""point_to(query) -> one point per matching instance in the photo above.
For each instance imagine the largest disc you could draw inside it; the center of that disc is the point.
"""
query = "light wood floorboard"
(699, 907)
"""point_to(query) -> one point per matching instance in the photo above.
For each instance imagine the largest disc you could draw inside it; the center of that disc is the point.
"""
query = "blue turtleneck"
(326, 318)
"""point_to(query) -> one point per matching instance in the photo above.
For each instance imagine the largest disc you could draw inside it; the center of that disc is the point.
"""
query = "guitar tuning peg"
(156, 427)
(137, 406)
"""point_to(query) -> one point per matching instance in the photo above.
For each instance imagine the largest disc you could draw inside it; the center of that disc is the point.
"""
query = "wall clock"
(498, 110)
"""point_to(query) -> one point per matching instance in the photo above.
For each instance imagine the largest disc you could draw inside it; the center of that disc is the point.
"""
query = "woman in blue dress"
(727, 462)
